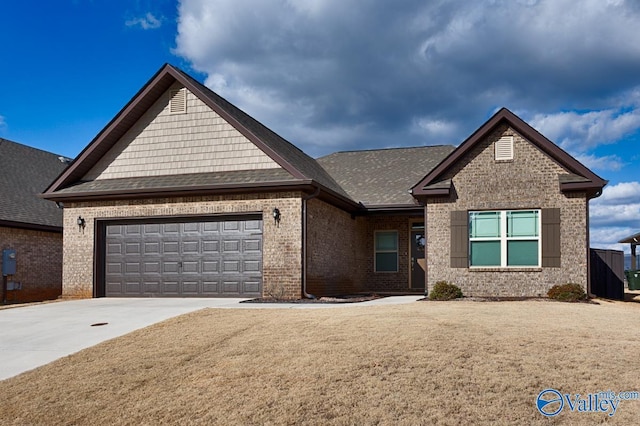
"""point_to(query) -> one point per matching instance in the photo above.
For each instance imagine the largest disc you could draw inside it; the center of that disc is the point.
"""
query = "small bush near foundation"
(567, 292)
(443, 290)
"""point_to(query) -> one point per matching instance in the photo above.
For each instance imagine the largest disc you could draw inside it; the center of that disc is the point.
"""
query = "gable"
(573, 175)
(163, 142)
(479, 176)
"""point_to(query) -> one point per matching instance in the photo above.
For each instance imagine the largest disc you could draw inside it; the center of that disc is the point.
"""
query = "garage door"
(184, 258)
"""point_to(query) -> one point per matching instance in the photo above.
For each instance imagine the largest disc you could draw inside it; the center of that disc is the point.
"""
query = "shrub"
(443, 290)
(567, 292)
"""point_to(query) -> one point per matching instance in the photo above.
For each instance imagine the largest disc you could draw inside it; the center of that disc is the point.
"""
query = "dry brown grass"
(456, 362)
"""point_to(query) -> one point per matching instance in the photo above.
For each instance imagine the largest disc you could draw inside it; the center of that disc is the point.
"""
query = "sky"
(337, 75)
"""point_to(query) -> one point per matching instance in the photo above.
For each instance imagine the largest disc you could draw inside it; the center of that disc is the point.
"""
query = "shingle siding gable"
(165, 143)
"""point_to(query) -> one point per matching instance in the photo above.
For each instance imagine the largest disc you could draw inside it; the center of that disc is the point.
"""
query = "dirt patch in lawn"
(422, 363)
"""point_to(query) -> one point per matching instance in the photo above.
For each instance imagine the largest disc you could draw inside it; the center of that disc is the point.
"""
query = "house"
(183, 194)
(30, 226)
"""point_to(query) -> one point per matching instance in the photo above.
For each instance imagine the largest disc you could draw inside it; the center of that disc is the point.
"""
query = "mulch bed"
(351, 298)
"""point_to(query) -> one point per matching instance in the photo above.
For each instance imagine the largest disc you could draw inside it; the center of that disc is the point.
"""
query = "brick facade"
(282, 243)
(530, 180)
(38, 263)
(341, 251)
(334, 255)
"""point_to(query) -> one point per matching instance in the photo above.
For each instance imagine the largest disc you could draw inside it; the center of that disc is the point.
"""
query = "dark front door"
(418, 261)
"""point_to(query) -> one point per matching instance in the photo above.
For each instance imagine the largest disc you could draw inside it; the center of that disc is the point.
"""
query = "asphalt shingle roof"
(25, 172)
(181, 181)
(383, 176)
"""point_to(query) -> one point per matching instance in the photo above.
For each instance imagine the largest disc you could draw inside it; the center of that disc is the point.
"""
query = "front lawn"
(459, 362)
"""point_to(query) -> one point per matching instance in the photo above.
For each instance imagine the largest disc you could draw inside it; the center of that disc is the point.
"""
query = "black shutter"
(459, 239)
(551, 253)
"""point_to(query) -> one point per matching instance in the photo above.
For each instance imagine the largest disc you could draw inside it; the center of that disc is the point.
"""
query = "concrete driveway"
(36, 335)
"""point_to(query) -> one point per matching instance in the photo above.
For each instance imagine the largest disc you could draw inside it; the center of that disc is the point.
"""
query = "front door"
(418, 261)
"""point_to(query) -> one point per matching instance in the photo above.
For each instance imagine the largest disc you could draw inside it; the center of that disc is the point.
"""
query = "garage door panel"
(230, 266)
(251, 286)
(252, 246)
(253, 225)
(171, 247)
(231, 287)
(169, 286)
(211, 287)
(191, 228)
(132, 230)
(114, 248)
(152, 229)
(191, 247)
(191, 267)
(210, 266)
(151, 248)
(170, 267)
(231, 246)
(132, 248)
(211, 227)
(152, 267)
(190, 288)
(184, 259)
(132, 287)
(152, 287)
(171, 229)
(251, 266)
(132, 268)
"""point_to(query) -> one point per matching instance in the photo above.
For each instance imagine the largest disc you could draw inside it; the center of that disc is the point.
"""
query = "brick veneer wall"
(38, 263)
(335, 258)
(281, 263)
(529, 181)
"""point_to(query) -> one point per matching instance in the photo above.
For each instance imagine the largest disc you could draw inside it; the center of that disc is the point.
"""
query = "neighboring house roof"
(25, 172)
(633, 239)
(383, 177)
(578, 178)
(301, 168)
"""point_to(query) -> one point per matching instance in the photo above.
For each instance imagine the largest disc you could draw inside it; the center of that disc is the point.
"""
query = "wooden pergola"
(634, 240)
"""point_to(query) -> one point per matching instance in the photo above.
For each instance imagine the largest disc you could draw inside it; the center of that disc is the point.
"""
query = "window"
(504, 238)
(386, 251)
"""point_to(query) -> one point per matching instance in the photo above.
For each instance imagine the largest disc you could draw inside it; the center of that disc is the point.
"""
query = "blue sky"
(333, 75)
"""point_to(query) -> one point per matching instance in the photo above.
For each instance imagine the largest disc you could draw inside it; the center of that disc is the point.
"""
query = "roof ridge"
(388, 149)
(33, 148)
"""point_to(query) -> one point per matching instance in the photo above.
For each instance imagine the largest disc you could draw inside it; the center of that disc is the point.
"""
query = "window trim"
(376, 251)
(504, 239)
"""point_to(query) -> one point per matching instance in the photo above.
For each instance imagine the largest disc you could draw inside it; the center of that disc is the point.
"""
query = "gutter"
(304, 243)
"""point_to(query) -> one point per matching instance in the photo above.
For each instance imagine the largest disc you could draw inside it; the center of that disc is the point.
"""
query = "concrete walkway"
(35, 335)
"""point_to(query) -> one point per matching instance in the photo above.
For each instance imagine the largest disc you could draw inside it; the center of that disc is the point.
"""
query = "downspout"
(426, 253)
(304, 243)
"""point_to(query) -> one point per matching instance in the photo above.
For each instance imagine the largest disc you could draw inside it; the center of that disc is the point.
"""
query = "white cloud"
(377, 65)
(607, 237)
(435, 129)
(621, 193)
(3, 122)
(615, 215)
(607, 162)
(583, 131)
(148, 22)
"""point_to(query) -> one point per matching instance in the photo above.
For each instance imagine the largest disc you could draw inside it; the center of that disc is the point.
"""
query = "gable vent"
(504, 148)
(178, 103)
